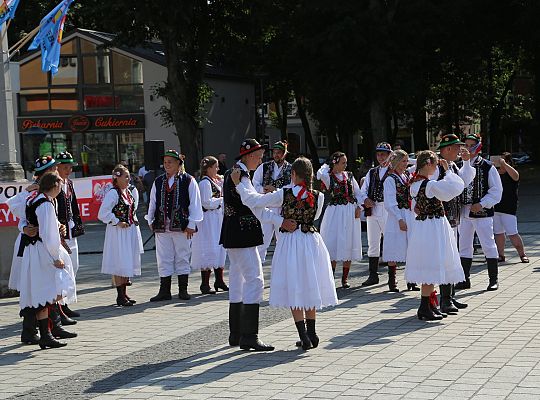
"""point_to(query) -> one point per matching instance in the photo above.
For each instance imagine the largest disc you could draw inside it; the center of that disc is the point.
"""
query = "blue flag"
(49, 37)
(7, 10)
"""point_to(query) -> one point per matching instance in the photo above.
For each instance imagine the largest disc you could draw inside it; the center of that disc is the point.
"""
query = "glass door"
(102, 152)
(131, 150)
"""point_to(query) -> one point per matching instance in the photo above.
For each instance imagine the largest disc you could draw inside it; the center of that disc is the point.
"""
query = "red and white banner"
(90, 192)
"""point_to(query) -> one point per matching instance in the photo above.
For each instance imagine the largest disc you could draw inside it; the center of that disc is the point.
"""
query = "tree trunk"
(379, 119)
(420, 124)
(284, 120)
(307, 131)
(497, 143)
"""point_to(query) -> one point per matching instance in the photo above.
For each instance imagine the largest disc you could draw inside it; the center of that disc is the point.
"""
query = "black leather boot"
(466, 265)
(219, 282)
(412, 287)
(205, 285)
(64, 318)
(29, 331)
(164, 290)
(392, 281)
(455, 302)
(57, 330)
(313, 338)
(345, 278)
(235, 315)
(305, 342)
(425, 311)
(124, 290)
(373, 277)
(250, 330)
(47, 339)
(447, 306)
(493, 272)
(70, 313)
(182, 287)
(121, 299)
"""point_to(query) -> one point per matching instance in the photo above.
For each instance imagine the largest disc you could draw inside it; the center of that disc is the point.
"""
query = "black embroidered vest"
(376, 188)
(68, 210)
(341, 192)
(124, 211)
(452, 208)
(172, 203)
(283, 179)
(216, 191)
(299, 210)
(427, 207)
(478, 188)
(32, 219)
(403, 196)
(240, 227)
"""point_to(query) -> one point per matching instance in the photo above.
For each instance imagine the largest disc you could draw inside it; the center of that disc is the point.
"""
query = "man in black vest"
(173, 212)
(69, 215)
(451, 148)
(241, 233)
(269, 177)
(478, 200)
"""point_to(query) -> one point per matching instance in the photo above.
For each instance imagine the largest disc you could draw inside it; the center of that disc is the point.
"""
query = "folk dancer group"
(238, 216)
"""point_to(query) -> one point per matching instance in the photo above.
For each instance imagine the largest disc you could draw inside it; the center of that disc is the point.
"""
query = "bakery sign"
(82, 123)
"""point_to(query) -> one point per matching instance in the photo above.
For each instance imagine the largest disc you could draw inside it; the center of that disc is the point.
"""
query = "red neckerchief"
(310, 198)
(343, 183)
(416, 177)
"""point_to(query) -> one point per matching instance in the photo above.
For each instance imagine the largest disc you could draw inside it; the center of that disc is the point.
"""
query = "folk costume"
(340, 230)
(397, 205)
(373, 188)
(206, 252)
(241, 233)
(270, 173)
(175, 204)
(123, 247)
(486, 189)
(439, 264)
(452, 211)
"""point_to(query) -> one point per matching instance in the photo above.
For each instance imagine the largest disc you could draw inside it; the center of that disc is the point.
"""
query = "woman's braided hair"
(425, 157)
(303, 169)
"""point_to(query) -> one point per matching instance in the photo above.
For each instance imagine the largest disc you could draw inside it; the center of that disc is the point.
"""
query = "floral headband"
(336, 159)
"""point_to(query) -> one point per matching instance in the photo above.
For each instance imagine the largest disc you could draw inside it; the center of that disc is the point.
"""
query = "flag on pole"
(7, 10)
(49, 37)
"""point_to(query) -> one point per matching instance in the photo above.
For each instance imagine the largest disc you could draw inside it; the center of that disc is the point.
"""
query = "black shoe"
(252, 342)
(249, 326)
(70, 313)
(121, 299)
(466, 284)
(235, 314)
(182, 287)
(47, 339)
(64, 318)
(345, 278)
(437, 311)
(310, 328)
(425, 312)
(373, 278)
(447, 306)
(128, 282)
(57, 330)
(392, 280)
(412, 287)
(219, 283)
(29, 334)
(466, 264)
(493, 272)
(205, 285)
(164, 290)
(305, 342)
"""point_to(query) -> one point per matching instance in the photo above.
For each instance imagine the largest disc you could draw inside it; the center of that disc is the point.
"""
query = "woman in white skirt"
(341, 226)
(46, 270)
(302, 278)
(206, 252)
(397, 204)
(432, 254)
(123, 242)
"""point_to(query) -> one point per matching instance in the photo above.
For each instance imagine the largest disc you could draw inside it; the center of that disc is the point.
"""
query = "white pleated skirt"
(341, 233)
(301, 272)
(15, 272)
(395, 240)
(206, 252)
(122, 251)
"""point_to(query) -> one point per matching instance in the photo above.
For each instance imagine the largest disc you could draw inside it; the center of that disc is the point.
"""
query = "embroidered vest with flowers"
(427, 207)
(403, 195)
(478, 188)
(341, 192)
(300, 210)
(216, 191)
(31, 218)
(172, 203)
(124, 208)
(376, 187)
(68, 210)
(452, 208)
(284, 177)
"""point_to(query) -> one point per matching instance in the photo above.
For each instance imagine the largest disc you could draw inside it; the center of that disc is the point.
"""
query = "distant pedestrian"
(222, 160)
(505, 220)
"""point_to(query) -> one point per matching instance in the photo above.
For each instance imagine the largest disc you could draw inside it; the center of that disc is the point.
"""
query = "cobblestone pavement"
(372, 345)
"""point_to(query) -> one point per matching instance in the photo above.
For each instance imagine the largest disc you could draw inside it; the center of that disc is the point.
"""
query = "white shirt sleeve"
(21, 225)
(494, 194)
(207, 201)
(151, 205)
(467, 172)
(252, 199)
(263, 214)
(364, 190)
(17, 204)
(195, 207)
(258, 179)
(390, 200)
(447, 188)
(357, 192)
(48, 229)
(105, 213)
(323, 174)
(320, 205)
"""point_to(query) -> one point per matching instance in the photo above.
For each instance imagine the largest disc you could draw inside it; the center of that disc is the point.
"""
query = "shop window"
(96, 69)
(99, 97)
(33, 100)
(101, 147)
(131, 149)
(67, 72)
(130, 97)
(64, 99)
(126, 70)
(31, 74)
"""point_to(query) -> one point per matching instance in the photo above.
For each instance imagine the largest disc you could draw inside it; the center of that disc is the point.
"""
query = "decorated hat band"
(250, 149)
(249, 146)
(173, 154)
(473, 136)
(383, 146)
(281, 145)
(65, 158)
(449, 140)
(44, 163)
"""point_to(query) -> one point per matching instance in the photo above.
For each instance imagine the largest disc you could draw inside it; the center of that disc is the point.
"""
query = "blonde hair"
(396, 157)
(117, 172)
(424, 158)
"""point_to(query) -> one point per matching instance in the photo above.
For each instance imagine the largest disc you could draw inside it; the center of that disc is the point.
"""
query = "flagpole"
(5, 31)
(24, 40)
